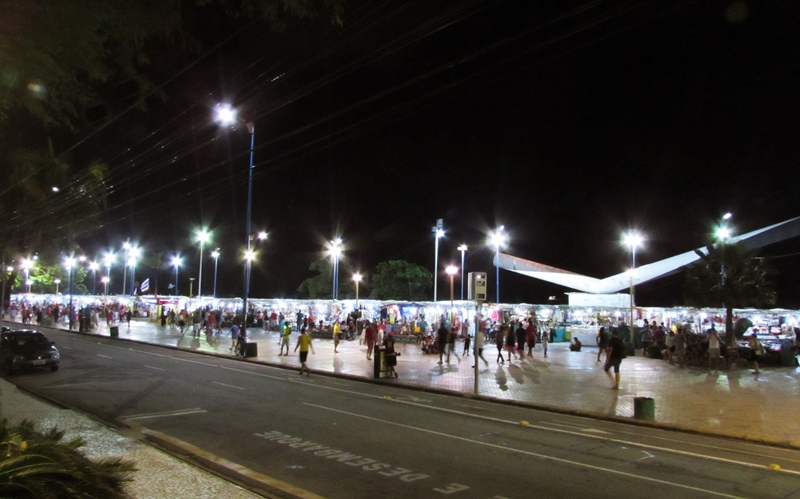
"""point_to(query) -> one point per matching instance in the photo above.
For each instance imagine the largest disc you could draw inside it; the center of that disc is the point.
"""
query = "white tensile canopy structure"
(755, 239)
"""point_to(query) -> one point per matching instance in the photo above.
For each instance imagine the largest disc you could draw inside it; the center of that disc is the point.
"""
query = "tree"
(400, 280)
(42, 465)
(730, 275)
(319, 286)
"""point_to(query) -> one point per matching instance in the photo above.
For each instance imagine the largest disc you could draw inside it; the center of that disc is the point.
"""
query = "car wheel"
(54, 368)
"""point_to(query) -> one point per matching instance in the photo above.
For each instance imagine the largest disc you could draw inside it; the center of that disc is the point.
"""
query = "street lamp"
(176, 262)
(438, 231)
(632, 240)
(126, 246)
(105, 280)
(27, 265)
(69, 262)
(215, 254)
(335, 249)
(203, 237)
(498, 239)
(135, 254)
(93, 266)
(357, 280)
(108, 259)
(57, 282)
(462, 249)
(226, 115)
(451, 270)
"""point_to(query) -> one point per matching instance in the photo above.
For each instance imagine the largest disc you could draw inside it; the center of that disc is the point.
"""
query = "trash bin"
(251, 349)
(114, 330)
(644, 408)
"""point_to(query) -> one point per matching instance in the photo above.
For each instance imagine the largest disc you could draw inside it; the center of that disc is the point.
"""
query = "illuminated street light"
(69, 263)
(462, 249)
(134, 253)
(335, 250)
(438, 231)
(177, 261)
(632, 240)
(108, 260)
(215, 254)
(27, 264)
(226, 115)
(497, 240)
(93, 266)
(451, 270)
(357, 280)
(203, 237)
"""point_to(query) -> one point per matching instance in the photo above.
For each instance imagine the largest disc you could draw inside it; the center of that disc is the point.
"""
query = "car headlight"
(55, 356)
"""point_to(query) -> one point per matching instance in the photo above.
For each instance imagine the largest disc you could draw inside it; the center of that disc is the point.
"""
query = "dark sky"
(568, 122)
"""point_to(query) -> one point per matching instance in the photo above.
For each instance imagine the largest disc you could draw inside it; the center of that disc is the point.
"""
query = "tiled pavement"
(733, 403)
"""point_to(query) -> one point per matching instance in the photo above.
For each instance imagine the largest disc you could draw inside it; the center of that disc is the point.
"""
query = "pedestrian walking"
(467, 340)
(234, 336)
(532, 333)
(615, 352)
(756, 351)
(336, 331)
(479, 341)
(441, 340)
(713, 349)
(521, 337)
(369, 337)
(499, 340)
(602, 342)
(286, 333)
(304, 344)
(511, 338)
(545, 342)
(451, 344)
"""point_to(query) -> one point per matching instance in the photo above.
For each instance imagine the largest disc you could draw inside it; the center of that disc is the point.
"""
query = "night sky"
(567, 122)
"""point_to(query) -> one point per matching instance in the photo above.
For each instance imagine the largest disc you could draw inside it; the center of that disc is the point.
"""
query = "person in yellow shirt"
(286, 333)
(304, 343)
(336, 331)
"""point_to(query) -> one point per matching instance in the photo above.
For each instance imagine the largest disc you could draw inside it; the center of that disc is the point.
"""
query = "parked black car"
(27, 349)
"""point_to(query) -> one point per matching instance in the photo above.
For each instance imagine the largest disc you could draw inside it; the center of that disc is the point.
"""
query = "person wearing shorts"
(286, 333)
(713, 348)
(304, 344)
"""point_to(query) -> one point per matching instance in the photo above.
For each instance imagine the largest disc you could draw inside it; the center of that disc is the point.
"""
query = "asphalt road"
(341, 438)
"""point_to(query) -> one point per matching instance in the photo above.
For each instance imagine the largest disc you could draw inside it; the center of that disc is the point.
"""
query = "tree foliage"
(319, 286)
(43, 465)
(400, 280)
(730, 275)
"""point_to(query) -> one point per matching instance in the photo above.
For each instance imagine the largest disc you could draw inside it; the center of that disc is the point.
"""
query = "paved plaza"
(734, 403)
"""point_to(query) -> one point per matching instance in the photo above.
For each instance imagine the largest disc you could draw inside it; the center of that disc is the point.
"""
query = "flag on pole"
(145, 285)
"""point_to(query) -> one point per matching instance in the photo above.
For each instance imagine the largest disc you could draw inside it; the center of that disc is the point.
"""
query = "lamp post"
(27, 265)
(451, 270)
(108, 259)
(105, 280)
(93, 266)
(438, 232)
(57, 282)
(462, 249)
(226, 115)
(632, 240)
(176, 262)
(203, 237)
(357, 280)
(126, 247)
(215, 254)
(498, 239)
(69, 262)
(335, 249)
(135, 254)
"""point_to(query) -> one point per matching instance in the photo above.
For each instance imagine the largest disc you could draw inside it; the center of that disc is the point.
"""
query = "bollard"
(644, 408)
(114, 331)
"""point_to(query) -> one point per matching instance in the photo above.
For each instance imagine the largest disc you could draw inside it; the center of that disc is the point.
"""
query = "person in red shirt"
(369, 337)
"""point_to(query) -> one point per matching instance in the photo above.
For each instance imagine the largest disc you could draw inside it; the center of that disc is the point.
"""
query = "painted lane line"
(476, 407)
(195, 362)
(279, 378)
(151, 415)
(340, 384)
(604, 438)
(227, 385)
(587, 429)
(104, 356)
(156, 368)
(533, 454)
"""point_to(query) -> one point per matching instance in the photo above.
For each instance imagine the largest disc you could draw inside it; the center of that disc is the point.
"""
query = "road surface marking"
(156, 368)
(104, 356)
(586, 429)
(599, 437)
(476, 407)
(251, 373)
(151, 415)
(227, 385)
(534, 454)
(195, 362)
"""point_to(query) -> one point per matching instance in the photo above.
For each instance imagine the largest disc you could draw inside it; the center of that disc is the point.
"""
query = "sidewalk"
(733, 403)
